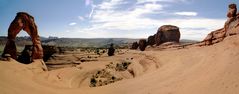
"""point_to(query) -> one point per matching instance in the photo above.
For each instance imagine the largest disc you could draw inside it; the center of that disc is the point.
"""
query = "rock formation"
(151, 40)
(231, 27)
(215, 37)
(23, 21)
(232, 12)
(111, 50)
(25, 56)
(49, 51)
(167, 33)
(135, 45)
(142, 44)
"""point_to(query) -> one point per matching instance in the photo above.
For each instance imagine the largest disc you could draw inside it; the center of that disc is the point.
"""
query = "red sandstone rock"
(142, 44)
(231, 27)
(151, 40)
(232, 12)
(215, 37)
(135, 45)
(23, 21)
(167, 33)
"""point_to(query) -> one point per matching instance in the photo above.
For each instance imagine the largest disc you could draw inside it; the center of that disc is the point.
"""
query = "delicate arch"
(23, 21)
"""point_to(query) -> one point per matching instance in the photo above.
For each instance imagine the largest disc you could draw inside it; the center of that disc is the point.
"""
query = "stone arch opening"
(23, 21)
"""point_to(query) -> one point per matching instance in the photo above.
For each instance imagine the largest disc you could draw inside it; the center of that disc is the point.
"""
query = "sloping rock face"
(167, 33)
(215, 37)
(23, 21)
(231, 27)
(142, 44)
(135, 45)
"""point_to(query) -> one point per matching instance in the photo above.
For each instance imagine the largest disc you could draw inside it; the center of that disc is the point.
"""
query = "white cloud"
(68, 31)
(186, 13)
(81, 18)
(110, 4)
(148, 1)
(153, 6)
(92, 11)
(88, 2)
(72, 24)
(108, 21)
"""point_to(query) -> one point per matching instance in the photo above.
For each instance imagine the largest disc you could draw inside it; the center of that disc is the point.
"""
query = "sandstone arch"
(23, 21)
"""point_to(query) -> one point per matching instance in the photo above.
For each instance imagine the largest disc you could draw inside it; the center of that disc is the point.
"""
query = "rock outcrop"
(25, 56)
(23, 21)
(135, 45)
(111, 50)
(151, 40)
(232, 12)
(49, 51)
(167, 33)
(142, 44)
(231, 27)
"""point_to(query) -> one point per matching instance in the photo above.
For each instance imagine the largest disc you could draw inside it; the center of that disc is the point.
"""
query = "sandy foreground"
(197, 70)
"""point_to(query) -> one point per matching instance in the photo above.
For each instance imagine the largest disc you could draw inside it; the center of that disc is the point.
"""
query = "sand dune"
(197, 70)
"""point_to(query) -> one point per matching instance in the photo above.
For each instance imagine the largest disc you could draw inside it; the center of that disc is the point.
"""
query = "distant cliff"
(72, 42)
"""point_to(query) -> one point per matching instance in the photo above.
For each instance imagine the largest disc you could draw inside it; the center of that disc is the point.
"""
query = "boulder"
(232, 11)
(142, 44)
(151, 40)
(167, 33)
(48, 51)
(111, 50)
(25, 56)
(135, 45)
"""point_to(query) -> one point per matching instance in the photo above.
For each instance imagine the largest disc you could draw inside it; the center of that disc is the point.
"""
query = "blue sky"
(117, 18)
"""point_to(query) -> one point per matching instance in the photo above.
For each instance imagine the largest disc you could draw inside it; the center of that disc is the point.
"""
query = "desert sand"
(195, 70)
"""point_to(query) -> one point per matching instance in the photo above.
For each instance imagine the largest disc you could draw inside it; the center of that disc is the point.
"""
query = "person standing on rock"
(111, 50)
